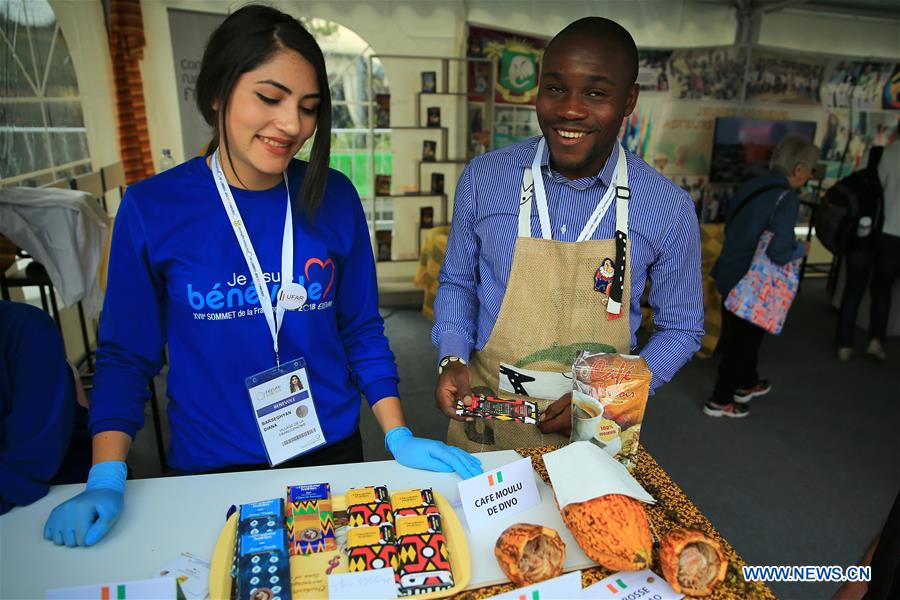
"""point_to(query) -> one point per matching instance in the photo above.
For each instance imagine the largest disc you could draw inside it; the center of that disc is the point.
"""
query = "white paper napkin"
(582, 471)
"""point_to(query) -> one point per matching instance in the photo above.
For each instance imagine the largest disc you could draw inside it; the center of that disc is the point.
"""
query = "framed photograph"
(383, 244)
(434, 116)
(426, 217)
(437, 183)
(429, 151)
(382, 185)
(429, 82)
(382, 111)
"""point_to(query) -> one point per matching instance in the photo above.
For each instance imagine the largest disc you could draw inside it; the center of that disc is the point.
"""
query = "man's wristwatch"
(447, 360)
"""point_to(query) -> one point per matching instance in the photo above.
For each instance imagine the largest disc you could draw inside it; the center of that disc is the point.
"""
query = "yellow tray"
(460, 561)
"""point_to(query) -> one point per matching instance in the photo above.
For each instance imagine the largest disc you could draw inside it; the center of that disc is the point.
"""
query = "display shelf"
(412, 195)
(395, 223)
(414, 128)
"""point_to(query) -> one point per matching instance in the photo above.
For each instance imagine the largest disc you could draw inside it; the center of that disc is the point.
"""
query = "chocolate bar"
(418, 524)
(259, 517)
(489, 407)
(371, 542)
(370, 535)
(413, 502)
(310, 520)
(263, 567)
(368, 506)
(369, 558)
(254, 518)
(424, 563)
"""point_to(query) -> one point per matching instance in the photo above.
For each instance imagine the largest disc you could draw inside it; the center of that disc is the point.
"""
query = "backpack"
(837, 219)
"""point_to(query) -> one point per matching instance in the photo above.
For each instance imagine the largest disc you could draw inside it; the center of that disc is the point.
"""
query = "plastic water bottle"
(864, 228)
(166, 162)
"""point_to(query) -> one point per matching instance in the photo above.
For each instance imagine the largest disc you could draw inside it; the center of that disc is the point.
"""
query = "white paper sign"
(567, 468)
(631, 585)
(564, 587)
(498, 494)
(192, 574)
(376, 584)
(163, 588)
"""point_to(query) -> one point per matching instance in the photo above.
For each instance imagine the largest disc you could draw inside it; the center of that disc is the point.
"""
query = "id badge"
(285, 412)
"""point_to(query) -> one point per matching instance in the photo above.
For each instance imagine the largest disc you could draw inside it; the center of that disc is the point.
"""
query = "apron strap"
(614, 306)
(526, 194)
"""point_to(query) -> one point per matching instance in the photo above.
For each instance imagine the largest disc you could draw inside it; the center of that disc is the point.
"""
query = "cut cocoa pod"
(530, 553)
(692, 562)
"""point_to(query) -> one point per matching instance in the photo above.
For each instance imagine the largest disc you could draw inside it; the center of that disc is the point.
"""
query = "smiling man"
(526, 279)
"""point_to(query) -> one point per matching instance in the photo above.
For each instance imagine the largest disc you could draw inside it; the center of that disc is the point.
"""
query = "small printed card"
(191, 573)
(160, 588)
(564, 587)
(377, 584)
(632, 584)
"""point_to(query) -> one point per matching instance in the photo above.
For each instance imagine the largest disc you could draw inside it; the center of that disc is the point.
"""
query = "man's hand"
(455, 382)
(557, 418)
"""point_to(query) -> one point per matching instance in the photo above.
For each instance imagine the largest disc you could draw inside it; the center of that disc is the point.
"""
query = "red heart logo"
(327, 263)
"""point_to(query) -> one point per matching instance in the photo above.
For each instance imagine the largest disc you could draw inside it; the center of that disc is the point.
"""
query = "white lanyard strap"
(539, 192)
(525, 196)
(274, 316)
(534, 180)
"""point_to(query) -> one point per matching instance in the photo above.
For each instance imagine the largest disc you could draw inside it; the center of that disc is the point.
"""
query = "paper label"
(498, 494)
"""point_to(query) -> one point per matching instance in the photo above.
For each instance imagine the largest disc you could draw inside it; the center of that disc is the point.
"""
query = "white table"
(166, 516)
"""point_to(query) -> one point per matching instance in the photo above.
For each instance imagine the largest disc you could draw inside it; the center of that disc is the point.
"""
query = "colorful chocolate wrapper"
(424, 564)
(310, 519)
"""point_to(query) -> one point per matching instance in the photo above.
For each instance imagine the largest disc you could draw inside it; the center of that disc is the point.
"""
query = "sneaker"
(844, 353)
(762, 388)
(732, 409)
(875, 350)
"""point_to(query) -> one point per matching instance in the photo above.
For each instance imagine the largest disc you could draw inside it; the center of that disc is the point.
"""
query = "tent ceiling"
(879, 9)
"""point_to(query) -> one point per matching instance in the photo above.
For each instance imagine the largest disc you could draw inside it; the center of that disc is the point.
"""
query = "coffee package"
(609, 396)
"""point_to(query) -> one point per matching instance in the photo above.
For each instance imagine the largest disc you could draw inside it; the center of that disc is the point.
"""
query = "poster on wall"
(190, 30)
(858, 84)
(848, 137)
(518, 59)
(784, 78)
(653, 75)
(890, 97)
(707, 73)
(638, 130)
(684, 139)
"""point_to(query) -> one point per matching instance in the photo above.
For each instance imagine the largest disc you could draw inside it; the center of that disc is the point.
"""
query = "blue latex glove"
(86, 518)
(430, 455)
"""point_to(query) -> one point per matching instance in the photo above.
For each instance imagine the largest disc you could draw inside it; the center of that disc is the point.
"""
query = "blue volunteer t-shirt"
(177, 275)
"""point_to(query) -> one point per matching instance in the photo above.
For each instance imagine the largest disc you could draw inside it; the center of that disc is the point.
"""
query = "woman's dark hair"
(245, 40)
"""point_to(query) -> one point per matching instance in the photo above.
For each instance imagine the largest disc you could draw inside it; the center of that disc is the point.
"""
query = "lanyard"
(274, 316)
(620, 177)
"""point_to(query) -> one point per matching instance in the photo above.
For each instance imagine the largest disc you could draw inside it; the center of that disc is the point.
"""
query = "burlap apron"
(550, 311)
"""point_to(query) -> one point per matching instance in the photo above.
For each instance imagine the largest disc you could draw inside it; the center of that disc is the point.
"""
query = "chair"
(35, 275)
(114, 178)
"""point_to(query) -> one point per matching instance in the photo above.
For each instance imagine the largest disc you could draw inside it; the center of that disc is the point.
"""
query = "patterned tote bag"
(764, 294)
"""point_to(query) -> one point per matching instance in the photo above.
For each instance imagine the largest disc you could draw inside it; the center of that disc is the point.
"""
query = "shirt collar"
(604, 176)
